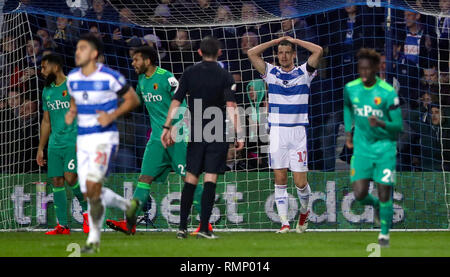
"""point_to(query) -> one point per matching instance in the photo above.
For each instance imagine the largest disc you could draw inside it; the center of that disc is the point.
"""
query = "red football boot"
(59, 230)
(120, 226)
(210, 228)
(86, 223)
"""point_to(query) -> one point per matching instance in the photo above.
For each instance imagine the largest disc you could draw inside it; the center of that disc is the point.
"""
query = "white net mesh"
(19, 121)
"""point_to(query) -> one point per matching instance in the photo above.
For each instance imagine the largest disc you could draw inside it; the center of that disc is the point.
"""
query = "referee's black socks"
(208, 197)
(187, 196)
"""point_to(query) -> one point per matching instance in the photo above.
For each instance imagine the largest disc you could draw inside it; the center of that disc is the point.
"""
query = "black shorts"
(206, 157)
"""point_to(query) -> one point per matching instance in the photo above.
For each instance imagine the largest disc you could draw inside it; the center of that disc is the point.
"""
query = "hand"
(117, 35)
(166, 138)
(349, 141)
(70, 116)
(40, 158)
(375, 122)
(104, 118)
(239, 145)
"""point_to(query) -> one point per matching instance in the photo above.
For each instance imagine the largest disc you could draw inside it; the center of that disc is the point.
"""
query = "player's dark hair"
(210, 46)
(369, 54)
(147, 52)
(286, 42)
(93, 41)
(53, 58)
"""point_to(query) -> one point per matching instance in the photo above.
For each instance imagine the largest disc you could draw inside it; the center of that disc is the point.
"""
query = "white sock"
(282, 201)
(303, 195)
(112, 199)
(95, 225)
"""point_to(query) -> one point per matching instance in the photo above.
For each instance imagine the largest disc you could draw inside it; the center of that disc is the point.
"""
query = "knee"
(301, 184)
(145, 179)
(93, 190)
(71, 180)
(58, 182)
(359, 194)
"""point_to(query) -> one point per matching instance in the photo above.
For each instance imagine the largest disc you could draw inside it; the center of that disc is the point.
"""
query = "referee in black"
(212, 86)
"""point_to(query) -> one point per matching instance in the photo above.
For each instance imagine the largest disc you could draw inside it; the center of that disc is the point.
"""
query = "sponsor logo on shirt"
(58, 104)
(367, 111)
(149, 97)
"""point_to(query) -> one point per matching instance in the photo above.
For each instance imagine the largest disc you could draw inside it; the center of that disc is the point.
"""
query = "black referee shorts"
(206, 157)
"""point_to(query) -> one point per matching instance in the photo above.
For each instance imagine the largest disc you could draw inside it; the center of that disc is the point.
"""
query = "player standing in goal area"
(61, 138)
(372, 106)
(94, 90)
(209, 88)
(288, 115)
(155, 89)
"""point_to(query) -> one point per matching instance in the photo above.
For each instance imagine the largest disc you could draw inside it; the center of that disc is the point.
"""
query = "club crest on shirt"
(377, 100)
(155, 86)
(98, 85)
(64, 93)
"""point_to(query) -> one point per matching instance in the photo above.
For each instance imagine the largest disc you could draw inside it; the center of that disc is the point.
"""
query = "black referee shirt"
(214, 86)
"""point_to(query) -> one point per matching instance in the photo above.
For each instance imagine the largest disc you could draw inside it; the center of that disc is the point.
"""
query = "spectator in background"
(443, 31)
(6, 116)
(155, 42)
(78, 7)
(286, 4)
(223, 16)
(419, 46)
(47, 40)
(66, 30)
(241, 69)
(257, 119)
(34, 51)
(249, 13)
(101, 11)
(444, 84)
(418, 49)
(204, 8)
(431, 78)
(181, 55)
(429, 141)
(14, 101)
(27, 137)
(162, 12)
(235, 160)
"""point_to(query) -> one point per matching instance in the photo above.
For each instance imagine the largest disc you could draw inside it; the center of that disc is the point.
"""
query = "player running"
(288, 115)
(61, 138)
(372, 106)
(155, 89)
(95, 89)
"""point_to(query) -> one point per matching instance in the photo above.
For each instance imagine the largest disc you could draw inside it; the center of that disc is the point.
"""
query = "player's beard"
(51, 78)
(142, 69)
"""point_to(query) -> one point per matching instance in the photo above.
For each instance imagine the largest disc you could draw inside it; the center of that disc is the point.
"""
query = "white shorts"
(93, 160)
(287, 148)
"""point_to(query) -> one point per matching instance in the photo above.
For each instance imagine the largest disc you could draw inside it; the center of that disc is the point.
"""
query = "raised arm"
(254, 54)
(316, 51)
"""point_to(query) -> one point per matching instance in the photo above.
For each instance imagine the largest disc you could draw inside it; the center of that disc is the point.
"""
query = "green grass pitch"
(232, 244)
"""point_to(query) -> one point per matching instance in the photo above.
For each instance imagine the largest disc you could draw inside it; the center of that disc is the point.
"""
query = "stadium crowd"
(419, 62)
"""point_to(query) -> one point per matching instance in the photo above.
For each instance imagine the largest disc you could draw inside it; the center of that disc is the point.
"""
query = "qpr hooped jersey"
(288, 95)
(96, 92)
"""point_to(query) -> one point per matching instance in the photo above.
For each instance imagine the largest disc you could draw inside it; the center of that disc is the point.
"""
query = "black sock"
(208, 197)
(187, 196)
